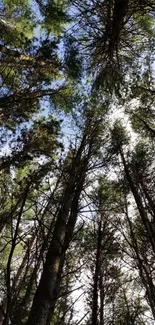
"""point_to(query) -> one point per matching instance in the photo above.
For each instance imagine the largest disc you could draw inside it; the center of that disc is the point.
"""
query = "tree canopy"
(77, 172)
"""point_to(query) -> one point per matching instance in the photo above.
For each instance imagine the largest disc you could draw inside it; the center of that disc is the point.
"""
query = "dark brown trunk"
(139, 204)
(46, 291)
(143, 272)
(45, 294)
(102, 296)
(119, 12)
(96, 277)
(68, 237)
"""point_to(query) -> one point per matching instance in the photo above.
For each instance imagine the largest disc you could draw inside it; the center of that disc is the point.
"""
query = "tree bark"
(102, 297)
(96, 277)
(68, 237)
(139, 204)
(47, 291)
(143, 272)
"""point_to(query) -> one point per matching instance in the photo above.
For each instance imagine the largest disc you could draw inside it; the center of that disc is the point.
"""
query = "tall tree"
(68, 211)
(77, 185)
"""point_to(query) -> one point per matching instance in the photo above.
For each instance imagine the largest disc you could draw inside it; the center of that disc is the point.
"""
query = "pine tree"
(79, 210)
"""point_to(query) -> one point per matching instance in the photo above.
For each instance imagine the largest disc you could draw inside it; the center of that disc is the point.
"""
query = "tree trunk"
(139, 204)
(47, 291)
(102, 296)
(96, 277)
(143, 272)
(68, 237)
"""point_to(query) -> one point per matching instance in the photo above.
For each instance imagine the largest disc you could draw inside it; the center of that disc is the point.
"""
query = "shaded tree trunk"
(49, 284)
(102, 296)
(143, 272)
(96, 277)
(68, 237)
(139, 203)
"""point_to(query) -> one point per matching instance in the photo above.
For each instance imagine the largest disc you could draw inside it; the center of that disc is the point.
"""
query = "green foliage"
(18, 23)
(86, 62)
(56, 16)
(66, 99)
(141, 158)
(110, 195)
(119, 137)
(72, 59)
